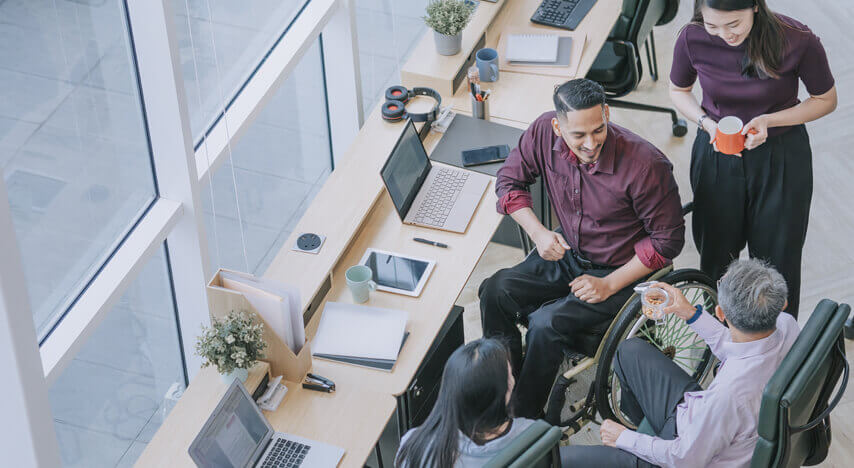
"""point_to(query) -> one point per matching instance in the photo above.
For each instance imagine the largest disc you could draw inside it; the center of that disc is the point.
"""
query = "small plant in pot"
(447, 19)
(232, 344)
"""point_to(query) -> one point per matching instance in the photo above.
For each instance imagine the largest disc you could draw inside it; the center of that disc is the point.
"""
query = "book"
(538, 48)
(360, 334)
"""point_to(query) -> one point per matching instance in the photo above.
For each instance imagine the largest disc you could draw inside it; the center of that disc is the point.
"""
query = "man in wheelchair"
(619, 209)
(696, 427)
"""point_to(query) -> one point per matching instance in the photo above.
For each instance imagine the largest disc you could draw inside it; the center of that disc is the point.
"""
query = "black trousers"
(652, 388)
(536, 293)
(761, 199)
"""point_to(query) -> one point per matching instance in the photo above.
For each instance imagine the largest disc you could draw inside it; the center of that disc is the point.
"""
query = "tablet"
(398, 273)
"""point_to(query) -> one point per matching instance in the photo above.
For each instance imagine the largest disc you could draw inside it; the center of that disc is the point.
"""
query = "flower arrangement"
(234, 342)
(448, 17)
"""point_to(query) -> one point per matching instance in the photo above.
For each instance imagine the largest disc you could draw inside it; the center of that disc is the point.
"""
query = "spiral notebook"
(538, 48)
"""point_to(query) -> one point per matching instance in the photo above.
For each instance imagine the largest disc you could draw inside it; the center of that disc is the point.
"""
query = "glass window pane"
(221, 42)
(73, 147)
(388, 31)
(277, 167)
(109, 401)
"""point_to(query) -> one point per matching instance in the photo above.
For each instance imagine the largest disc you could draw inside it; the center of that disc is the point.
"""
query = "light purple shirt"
(717, 427)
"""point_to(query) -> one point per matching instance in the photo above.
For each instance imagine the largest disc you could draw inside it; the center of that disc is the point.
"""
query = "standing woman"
(749, 61)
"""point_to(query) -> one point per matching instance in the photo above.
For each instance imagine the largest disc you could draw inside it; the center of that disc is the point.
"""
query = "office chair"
(535, 447)
(794, 418)
(618, 67)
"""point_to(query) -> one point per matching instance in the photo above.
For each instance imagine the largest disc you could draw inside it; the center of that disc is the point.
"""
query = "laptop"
(425, 195)
(238, 435)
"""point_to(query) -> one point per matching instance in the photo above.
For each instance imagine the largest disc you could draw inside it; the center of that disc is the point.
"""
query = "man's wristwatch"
(701, 119)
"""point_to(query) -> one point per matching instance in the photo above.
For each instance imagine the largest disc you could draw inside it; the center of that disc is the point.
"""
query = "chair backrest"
(794, 419)
(637, 17)
(536, 446)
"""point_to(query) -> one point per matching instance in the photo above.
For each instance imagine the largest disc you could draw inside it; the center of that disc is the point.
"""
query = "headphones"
(396, 97)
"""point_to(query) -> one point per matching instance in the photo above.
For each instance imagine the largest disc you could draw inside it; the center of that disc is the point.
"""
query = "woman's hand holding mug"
(756, 131)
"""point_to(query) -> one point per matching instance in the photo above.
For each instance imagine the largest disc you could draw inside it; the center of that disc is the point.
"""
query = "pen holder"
(283, 361)
(479, 109)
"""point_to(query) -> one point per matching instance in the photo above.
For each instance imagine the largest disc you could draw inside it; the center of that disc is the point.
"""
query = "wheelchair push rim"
(673, 337)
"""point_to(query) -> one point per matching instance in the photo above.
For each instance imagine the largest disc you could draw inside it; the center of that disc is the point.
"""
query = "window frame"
(174, 217)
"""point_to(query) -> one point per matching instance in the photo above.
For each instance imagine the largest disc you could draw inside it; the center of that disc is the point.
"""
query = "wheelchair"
(586, 385)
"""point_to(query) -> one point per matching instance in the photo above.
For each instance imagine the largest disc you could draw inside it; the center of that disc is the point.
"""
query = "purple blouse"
(727, 92)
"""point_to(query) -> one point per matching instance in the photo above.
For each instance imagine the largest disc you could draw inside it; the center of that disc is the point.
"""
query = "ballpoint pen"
(425, 241)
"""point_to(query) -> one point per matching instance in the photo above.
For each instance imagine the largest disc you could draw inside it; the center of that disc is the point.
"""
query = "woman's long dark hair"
(471, 399)
(765, 43)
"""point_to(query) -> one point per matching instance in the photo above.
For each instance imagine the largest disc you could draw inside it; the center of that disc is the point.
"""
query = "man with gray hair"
(700, 428)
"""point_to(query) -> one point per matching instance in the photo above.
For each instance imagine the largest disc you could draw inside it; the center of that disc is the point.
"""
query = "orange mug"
(728, 137)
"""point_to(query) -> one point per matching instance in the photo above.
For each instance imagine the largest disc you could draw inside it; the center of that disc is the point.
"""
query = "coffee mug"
(487, 64)
(728, 137)
(360, 282)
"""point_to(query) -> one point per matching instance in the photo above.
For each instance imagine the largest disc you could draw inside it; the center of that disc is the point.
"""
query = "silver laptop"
(238, 435)
(426, 195)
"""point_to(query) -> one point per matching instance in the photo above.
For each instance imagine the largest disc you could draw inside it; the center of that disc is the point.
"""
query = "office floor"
(829, 257)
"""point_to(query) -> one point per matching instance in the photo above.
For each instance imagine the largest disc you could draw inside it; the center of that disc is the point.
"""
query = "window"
(221, 42)
(109, 401)
(261, 191)
(388, 31)
(73, 144)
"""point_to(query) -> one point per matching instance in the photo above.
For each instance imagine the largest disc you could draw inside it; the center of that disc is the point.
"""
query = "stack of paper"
(361, 335)
(277, 303)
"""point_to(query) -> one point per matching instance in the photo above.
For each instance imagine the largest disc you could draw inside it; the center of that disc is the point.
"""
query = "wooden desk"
(519, 98)
(303, 412)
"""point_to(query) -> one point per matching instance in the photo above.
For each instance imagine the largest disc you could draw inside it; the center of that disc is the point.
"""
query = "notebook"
(359, 334)
(564, 55)
(539, 48)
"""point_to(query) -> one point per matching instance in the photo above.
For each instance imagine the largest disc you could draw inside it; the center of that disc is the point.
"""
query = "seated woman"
(469, 423)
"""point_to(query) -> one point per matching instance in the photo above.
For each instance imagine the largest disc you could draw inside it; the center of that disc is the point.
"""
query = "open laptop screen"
(233, 433)
(406, 169)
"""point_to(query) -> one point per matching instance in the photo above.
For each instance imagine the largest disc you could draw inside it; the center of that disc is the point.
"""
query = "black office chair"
(618, 67)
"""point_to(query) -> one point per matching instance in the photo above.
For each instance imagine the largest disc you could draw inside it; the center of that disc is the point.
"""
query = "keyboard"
(285, 454)
(441, 196)
(565, 14)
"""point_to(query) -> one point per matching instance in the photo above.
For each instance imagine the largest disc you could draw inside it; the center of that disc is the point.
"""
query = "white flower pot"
(448, 45)
(239, 374)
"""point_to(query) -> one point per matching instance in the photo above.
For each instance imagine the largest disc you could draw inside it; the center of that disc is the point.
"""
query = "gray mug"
(487, 64)
(360, 281)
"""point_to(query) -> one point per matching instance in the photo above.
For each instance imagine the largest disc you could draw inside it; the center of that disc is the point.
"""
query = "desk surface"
(522, 97)
(303, 412)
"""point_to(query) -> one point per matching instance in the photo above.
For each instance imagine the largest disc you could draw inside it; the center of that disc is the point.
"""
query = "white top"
(717, 427)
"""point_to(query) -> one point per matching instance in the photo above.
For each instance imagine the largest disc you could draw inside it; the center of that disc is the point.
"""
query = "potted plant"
(447, 19)
(232, 344)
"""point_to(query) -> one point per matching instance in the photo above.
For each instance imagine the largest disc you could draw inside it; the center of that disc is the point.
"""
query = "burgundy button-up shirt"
(625, 203)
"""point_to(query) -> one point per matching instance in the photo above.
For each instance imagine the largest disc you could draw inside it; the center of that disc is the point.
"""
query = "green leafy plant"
(448, 17)
(234, 342)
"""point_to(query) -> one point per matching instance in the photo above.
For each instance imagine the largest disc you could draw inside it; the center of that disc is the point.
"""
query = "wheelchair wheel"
(674, 338)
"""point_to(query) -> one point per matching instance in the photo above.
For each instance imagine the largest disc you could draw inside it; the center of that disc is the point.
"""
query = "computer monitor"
(406, 169)
(236, 433)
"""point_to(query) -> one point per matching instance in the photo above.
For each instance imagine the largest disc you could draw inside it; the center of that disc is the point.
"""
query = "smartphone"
(485, 155)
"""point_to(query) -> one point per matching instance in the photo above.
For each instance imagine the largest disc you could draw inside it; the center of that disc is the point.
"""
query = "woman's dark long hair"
(471, 399)
(765, 43)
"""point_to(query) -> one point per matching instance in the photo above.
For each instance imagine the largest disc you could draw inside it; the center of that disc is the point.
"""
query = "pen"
(425, 241)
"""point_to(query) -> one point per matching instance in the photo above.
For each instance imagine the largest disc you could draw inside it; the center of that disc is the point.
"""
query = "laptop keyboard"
(285, 454)
(443, 193)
